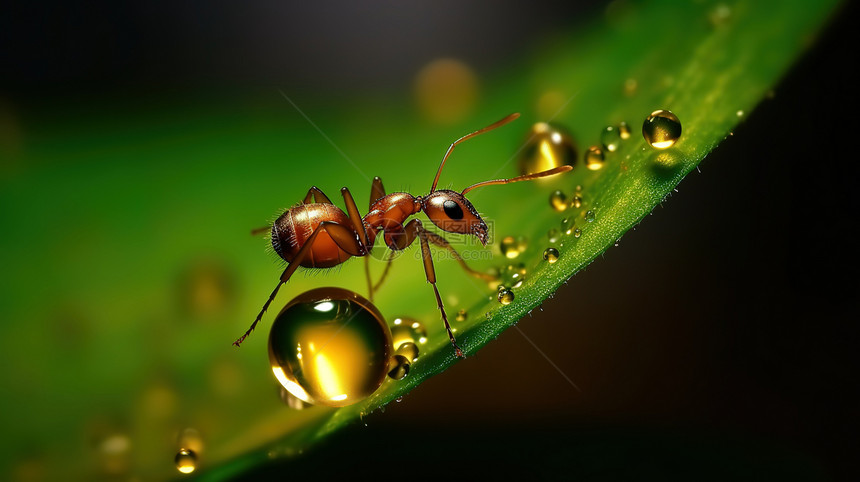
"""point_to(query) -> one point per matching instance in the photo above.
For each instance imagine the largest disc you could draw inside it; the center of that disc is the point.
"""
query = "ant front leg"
(410, 231)
(343, 236)
(397, 237)
(443, 243)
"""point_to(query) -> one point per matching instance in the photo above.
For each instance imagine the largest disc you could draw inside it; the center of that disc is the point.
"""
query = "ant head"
(452, 212)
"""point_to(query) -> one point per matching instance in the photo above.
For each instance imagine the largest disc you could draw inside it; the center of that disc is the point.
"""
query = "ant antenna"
(490, 127)
(525, 177)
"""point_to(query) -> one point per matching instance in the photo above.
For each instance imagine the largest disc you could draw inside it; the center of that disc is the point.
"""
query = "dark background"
(742, 364)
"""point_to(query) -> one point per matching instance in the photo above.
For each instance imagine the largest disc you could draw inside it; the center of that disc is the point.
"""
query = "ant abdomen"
(293, 228)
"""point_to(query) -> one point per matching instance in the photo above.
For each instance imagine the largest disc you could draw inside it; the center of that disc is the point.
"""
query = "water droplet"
(407, 329)
(623, 130)
(506, 296)
(577, 233)
(462, 315)
(589, 216)
(740, 113)
(610, 138)
(398, 399)
(446, 90)
(550, 255)
(512, 247)
(207, 288)
(661, 129)
(409, 350)
(552, 235)
(548, 146)
(567, 225)
(720, 15)
(594, 158)
(513, 276)
(558, 201)
(576, 201)
(186, 461)
(398, 367)
(630, 87)
(330, 346)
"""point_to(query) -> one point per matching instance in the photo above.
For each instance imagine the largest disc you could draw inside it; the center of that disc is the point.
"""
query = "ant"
(318, 234)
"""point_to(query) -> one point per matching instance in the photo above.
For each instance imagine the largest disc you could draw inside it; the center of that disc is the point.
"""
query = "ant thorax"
(391, 209)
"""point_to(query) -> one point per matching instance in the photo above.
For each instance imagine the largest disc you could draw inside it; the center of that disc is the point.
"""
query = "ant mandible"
(318, 234)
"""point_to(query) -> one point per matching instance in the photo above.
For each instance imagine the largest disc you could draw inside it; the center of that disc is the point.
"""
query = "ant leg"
(341, 235)
(317, 195)
(377, 191)
(354, 216)
(389, 257)
(443, 243)
(359, 229)
(262, 230)
(368, 278)
(410, 231)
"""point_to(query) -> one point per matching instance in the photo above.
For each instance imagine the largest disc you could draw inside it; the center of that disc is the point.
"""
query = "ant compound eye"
(452, 210)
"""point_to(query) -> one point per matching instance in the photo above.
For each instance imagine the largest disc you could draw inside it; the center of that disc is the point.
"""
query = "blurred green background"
(140, 143)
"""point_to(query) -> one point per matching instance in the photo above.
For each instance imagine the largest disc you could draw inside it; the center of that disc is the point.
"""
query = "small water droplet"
(548, 146)
(630, 87)
(623, 130)
(589, 216)
(207, 288)
(720, 15)
(186, 461)
(398, 399)
(407, 329)
(576, 201)
(594, 158)
(552, 235)
(550, 255)
(577, 233)
(661, 129)
(330, 346)
(398, 367)
(513, 276)
(558, 201)
(409, 350)
(567, 225)
(610, 138)
(506, 296)
(740, 113)
(508, 246)
(446, 90)
(462, 315)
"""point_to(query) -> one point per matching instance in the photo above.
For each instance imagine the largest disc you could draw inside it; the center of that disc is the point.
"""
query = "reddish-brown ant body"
(318, 234)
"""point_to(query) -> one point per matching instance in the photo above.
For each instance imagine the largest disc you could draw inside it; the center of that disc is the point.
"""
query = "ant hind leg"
(317, 195)
(343, 236)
